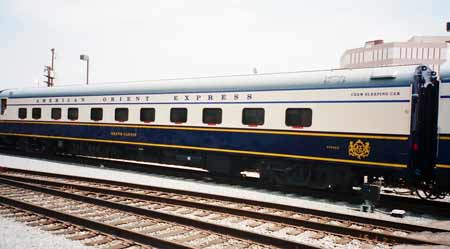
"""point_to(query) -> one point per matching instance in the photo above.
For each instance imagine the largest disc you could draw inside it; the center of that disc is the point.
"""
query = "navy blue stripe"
(209, 103)
(217, 91)
(381, 150)
(246, 129)
(444, 148)
(445, 97)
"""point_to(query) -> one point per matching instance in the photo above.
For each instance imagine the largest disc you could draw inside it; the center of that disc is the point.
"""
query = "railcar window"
(212, 116)
(72, 113)
(36, 113)
(22, 113)
(147, 115)
(298, 117)
(178, 115)
(4, 105)
(96, 114)
(121, 114)
(56, 113)
(253, 116)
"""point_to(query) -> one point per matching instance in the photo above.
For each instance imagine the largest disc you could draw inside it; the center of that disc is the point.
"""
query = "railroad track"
(131, 223)
(71, 231)
(386, 203)
(296, 224)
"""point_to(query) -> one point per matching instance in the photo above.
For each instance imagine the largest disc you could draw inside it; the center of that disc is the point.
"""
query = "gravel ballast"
(16, 235)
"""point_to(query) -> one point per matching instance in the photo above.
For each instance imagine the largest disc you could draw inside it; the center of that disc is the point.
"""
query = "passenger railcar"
(319, 129)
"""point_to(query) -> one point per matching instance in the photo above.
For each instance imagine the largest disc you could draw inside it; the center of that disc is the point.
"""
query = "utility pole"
(50, 70)
(84, 57)
(53, 60)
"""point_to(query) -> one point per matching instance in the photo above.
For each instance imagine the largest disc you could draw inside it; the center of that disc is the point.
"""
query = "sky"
(137, 40)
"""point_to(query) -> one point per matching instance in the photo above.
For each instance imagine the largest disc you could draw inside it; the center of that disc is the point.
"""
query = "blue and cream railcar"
(443, 158)
(317, 129)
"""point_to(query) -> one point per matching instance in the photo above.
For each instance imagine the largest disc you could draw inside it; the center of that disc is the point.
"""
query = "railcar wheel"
(428, 191)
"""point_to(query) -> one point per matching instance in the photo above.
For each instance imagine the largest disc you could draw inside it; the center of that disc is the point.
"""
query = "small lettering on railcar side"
(123, 134)
(375, 94)
(333, 147)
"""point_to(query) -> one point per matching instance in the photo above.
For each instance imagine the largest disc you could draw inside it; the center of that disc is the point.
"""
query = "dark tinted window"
(121, 114)
(96, 114)
(36, 113)
(299, 117)
(4, 105)
(147, 114)
(178, 115)
(253, 116)
(22, 113)
(56, 113)
(72, 113)
(212, 116)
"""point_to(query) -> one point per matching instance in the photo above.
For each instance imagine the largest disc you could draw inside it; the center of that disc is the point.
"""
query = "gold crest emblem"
(359, 149)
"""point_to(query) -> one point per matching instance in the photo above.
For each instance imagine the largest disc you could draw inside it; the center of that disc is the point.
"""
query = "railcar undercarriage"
(272, 171)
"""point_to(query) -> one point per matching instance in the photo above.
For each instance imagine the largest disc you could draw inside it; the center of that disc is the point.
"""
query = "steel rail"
(322, 213)
(97, 226)
(330, 228)
(242, 234)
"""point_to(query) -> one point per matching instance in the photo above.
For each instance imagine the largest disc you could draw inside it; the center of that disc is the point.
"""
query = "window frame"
(172, 110)
(218, 121)
(52, 113)
(260, 123)
(92, 112)
(4, 106)
(152, 114)
(116, 114)
(33, 114)
(19, 112)
(70, 111)
(301, 123)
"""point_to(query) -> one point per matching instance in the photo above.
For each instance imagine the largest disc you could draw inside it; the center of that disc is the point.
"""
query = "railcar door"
(424, 122)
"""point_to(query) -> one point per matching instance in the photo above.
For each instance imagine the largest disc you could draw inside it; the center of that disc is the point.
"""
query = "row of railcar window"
(296, 117)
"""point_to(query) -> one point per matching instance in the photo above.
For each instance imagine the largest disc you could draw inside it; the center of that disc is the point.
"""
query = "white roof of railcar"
(339, 78)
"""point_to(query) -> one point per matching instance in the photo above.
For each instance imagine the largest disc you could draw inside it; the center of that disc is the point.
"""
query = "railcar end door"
(424, 126)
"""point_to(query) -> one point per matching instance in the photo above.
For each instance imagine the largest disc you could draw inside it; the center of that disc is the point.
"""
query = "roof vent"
(370, 44)
(383, 75)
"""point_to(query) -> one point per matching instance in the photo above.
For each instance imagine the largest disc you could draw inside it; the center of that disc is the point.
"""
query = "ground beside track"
(16, 235)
